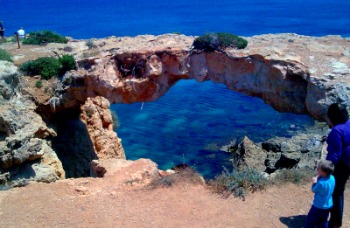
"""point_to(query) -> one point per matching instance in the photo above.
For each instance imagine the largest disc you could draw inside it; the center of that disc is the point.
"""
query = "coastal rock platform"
(292, 73)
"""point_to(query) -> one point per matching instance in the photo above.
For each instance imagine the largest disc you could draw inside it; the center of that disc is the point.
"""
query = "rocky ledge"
(57, 131)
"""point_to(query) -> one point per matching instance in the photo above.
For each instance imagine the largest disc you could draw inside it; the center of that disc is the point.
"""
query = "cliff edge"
(40, 126)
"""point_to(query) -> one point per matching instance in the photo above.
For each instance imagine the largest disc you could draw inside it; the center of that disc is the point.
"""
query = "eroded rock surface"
(24, 150)
(96, 115)
(293, 73)
(141, 170)
(302, 151)
(249, 155)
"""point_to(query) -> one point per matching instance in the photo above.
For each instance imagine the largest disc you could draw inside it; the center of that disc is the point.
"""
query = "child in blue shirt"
(323, 187)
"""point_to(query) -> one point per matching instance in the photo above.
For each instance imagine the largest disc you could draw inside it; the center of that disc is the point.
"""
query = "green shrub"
(4, 55)
(47, 67)
(214, 41)
(39, 84)
(44, 37)
(239, 182)
(67, 62)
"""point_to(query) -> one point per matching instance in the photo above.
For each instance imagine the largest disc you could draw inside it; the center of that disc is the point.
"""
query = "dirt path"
(105, 203)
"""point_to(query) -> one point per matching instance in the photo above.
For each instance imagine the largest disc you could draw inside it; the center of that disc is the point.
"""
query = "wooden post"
(17, 38)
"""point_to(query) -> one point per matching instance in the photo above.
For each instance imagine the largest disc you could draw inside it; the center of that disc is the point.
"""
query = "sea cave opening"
(193, 121)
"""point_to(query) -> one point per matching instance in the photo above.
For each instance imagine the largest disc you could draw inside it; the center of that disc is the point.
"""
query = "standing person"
(21, 33)
(338, 149)
(323, 187)
(2, 32)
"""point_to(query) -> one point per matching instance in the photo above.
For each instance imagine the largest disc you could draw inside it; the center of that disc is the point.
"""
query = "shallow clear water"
(193, 120)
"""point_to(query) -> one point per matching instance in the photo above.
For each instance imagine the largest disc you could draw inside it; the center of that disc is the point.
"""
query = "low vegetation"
(39, 84)
(215, 41)
(5, 56)
(44, 37)
(49, 67)
(183, 174)
(68, 63)
(240, 183)
(11, 39)
(296, 176)
(90, 44)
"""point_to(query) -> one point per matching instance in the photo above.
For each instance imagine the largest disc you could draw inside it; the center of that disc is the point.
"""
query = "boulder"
(271, 161)
(249, 155)
(8, 79)
(30, 151)
(34, 172)
(299, 151)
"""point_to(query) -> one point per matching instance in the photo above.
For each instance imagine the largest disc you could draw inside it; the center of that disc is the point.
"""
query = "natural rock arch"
(290, 72)
(286, 74)
(145, 76)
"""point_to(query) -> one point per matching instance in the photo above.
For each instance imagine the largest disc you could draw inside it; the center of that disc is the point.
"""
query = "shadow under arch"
(73, 145)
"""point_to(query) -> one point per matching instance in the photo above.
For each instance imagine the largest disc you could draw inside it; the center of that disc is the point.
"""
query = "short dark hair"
(337, 113)
(326, 166)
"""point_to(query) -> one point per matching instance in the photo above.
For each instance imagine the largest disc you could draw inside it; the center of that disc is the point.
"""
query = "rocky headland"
(65, 128)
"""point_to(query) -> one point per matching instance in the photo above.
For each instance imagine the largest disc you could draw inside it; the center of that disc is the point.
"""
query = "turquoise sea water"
(192, 120)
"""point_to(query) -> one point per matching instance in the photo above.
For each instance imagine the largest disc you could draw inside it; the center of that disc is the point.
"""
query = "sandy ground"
(105, 202)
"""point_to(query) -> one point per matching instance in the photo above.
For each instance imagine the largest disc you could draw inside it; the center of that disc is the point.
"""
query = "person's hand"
(314, 179)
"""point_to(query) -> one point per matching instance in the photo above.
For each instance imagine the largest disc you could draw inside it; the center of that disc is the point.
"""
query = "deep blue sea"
(91, 18)
(193, 120)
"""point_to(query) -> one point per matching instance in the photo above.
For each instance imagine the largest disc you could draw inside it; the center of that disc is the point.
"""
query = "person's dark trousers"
(317, 218)
(341, 175)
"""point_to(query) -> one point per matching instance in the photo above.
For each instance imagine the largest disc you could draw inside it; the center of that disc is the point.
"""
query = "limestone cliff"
(290, 72)
(24, 149)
